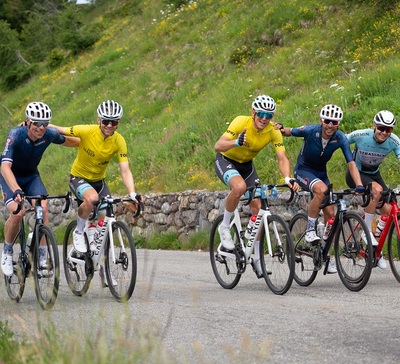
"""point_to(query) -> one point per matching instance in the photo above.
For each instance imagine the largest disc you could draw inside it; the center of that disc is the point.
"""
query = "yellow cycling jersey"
(95, 151)
(255, 139)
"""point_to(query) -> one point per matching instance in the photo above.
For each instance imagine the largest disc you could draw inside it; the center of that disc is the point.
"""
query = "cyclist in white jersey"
(371, 148)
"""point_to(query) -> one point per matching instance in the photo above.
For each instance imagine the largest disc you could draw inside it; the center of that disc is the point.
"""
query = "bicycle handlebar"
(262, 192)
(332, 196)
(40, 198)
(113, 200)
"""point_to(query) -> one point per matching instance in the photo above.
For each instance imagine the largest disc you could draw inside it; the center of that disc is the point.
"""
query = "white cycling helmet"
(264, 103)
(331, 112)
(110, 110)
(38, 111)
(385, 118)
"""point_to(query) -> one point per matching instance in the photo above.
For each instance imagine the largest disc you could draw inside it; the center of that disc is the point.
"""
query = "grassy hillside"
(184, 69)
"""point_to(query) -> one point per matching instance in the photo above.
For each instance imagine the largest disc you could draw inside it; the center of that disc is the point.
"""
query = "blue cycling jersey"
(23, 153)
(368, 153)
(313, 154)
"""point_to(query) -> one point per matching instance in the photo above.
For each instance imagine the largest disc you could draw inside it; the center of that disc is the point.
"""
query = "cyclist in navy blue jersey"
(21, 156)
(320, 142)
(371, 148)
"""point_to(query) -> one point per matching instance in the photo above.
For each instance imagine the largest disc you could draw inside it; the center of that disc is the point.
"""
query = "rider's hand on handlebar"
(359, 190)
(291, 182)
(18, 195)
(135, 197)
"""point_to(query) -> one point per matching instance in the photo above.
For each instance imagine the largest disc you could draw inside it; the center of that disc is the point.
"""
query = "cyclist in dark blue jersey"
(320, 142)
(21, 156)
(371, 148)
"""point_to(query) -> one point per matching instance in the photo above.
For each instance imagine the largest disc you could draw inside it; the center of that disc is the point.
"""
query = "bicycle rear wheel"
(78, 267)
(120, 272)
(15, 285)
(394, 251)
(304, 270)
(47, 276)
(277, 264)
(353, 252)
(223, 263)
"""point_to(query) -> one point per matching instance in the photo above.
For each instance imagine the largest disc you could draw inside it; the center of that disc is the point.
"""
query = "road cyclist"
(371, 147)
(235, 150)
(320, 141)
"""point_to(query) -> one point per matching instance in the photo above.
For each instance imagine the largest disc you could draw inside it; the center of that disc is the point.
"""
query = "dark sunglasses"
(334, 122)
(107, 122)
(267, 115)
(41, 123)
(381, 128)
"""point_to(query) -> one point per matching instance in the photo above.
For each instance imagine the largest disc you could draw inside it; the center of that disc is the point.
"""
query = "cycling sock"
(368, 218)
(227, 218)
(311, 223)
(8, 248)
(80, 225)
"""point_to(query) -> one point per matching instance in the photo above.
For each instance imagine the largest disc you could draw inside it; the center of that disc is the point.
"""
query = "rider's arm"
(71, 142)
(9, 177)
(127, 177)
(61, 129)
(355, 174)
(224, 143)
(284, 167)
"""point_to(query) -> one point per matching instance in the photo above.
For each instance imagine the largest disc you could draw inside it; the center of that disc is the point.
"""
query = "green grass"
(183, 73)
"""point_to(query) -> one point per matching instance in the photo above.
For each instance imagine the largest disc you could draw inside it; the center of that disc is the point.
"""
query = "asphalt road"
(178, 300)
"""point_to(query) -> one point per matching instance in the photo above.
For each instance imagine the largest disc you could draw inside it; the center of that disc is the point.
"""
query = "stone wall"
(183, 212)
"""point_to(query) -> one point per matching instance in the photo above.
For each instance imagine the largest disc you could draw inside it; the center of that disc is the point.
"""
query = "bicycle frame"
(392, 216)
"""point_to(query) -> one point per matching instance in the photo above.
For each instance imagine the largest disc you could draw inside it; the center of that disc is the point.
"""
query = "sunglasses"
(107, 122)
(382, 129)
(41, 123)
(334, 122)
(267, 115)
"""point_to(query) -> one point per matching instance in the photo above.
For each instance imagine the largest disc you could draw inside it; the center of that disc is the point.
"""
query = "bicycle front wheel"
(120, 262)
(304, 270)
(15, 285)
(78, 267)
(278, 263)
(394, 251)
(46, 268)
(353, 252)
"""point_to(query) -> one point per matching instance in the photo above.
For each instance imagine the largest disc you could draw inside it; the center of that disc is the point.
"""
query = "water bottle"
(381, 225)
(328, 228)
(90, 232)
(250, 225)
(320, 229)
(29, 240)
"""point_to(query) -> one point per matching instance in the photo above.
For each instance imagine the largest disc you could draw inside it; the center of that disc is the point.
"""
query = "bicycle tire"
(304, 270)
(354, 256)
(15, 284)
(278, 265)
(225, 267)
(47, 280)
(393, 247)
(78, 269)
(124, 270)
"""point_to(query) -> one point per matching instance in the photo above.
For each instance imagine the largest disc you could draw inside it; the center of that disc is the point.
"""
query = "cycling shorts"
(226, 168)
(31, 185)
(307, 177)
(79, 185)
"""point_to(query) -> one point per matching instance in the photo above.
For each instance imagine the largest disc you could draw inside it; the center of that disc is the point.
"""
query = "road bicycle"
(115, 254)
(276, 248)
(391, 232)
(26, 260)
(351, 241)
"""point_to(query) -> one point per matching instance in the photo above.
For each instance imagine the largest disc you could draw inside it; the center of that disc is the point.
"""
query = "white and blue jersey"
(25, 154)
(368, 153)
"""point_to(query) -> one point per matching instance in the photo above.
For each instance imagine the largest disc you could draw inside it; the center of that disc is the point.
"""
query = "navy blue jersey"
(313, 155)
(23, 153)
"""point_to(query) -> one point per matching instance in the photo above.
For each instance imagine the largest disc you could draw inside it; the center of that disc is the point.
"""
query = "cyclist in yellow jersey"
(98, 144)
(245, 137)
